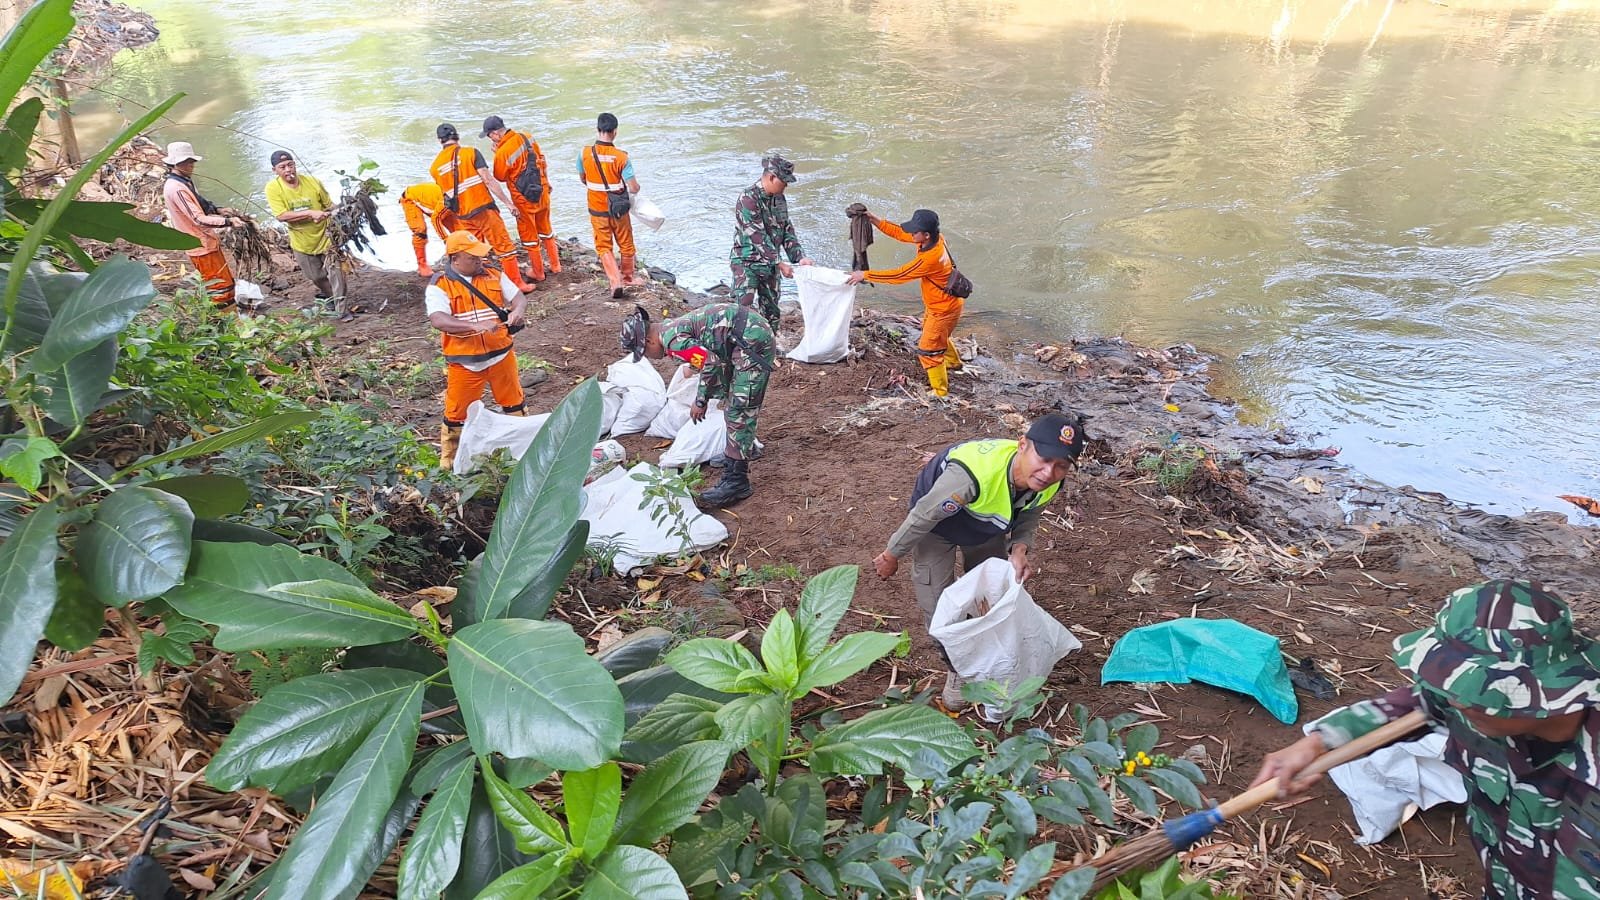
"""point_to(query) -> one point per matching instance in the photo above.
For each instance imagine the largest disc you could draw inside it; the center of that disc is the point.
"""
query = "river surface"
(1383, 216)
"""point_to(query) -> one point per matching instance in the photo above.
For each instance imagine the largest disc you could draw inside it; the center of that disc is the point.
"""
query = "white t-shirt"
(435, 300)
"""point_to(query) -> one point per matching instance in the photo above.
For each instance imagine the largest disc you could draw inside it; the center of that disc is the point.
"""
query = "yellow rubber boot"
(939, 381)
(449, 441)
(952, 359)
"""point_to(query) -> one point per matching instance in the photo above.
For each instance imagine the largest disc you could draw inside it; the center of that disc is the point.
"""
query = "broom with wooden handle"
(1149, 849)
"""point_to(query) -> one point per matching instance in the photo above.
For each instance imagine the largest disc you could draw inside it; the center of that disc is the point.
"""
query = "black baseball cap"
(1057, 435)
(279, 156)
(922, 220)
(493, 123)
(447, 132)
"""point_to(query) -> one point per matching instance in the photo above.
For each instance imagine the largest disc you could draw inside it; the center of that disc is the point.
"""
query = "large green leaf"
(224, 440)
(30, 317)
(433, 855)
(535, 830)
(528, 882)
(273, 597)
(540, 504)
(642, 690)
(675, 721)
(751, 718)
(670, 791)
(892, 736)
(632, 873)
(636, 652)
(487, 852)
(17, 134)
(137, 545)
(1175, 786)
(840, 660)
(780, 650)
(41, 29)
(420, 659)
(102, 221)
(823, 602)
(99, 309)
(27, 593)
(534, 600)
(79, 615)
(328, 856)
(236, 533)
(73, 391)
(305, 729)
(718, 664)
(529, 691)
(591, 798)
(209, 496)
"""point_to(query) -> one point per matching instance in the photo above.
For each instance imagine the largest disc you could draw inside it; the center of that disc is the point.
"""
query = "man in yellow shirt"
(302, 203)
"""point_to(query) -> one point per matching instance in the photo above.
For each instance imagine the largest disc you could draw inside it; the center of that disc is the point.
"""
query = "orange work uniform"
(940, 310)
(455, 170)
(603, 164)
(515, 152)
(423, 204)
(476, 360)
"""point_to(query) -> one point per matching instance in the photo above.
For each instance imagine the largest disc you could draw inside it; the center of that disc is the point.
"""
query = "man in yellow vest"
(982, 498)
(476, 309)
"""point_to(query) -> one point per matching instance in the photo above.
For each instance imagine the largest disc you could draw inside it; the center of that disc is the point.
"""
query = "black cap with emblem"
(1058, 436)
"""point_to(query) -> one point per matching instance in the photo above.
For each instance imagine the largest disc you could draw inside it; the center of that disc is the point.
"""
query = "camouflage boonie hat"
(1506, 648)
(777, 165)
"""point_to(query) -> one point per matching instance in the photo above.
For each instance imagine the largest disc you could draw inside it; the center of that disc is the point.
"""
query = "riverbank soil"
(1177, 511)
(1253, 533)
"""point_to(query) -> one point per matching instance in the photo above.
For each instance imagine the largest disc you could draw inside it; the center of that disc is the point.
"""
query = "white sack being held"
(827, 304)
(674, 413)
(643, 394)
(486, 431)
(992, 630)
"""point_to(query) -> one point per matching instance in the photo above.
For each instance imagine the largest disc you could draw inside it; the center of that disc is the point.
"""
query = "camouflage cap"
(1506, 648)
(777, 165)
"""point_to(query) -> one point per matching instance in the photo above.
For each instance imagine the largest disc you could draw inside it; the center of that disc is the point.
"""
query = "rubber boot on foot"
(515, 274)
(535, 263)
(449, 441)
(613, 275)
(939, 381)
(952, 359)
(734, 486)
(552, 250)
(630, 274)
(423, 269)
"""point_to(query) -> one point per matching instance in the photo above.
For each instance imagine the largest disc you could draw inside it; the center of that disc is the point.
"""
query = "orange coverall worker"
(940, 311)
(603, 167)
(187, 213)
(511, 155)
(466, 195)
(476, 360)
(424, 204)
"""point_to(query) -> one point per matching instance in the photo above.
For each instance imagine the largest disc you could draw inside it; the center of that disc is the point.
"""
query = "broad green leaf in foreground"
(27, 593)
(892, 736)
(669, 791)
(137, 545)
(591, 798)
(273, 597)
(823, 602)
(632, 873)
(434, 853)
(98, 310)
(305, 729)
(530, 691)
(716, 663)
(839, 661)
(327, 858)
(535, 830)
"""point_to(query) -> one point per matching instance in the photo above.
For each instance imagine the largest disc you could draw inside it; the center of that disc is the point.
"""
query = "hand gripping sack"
(1013, 641)
(697, 442)
(827, 304)
(674, 413)
(643, 395)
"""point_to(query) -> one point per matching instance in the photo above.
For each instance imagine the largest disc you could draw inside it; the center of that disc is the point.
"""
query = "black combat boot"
(734, 486)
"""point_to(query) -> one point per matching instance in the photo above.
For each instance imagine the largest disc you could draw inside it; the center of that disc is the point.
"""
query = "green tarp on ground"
(1218, 652)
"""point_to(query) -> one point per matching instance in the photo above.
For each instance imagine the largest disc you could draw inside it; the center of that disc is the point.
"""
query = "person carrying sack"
(607, 174)
(477, 309)
(944, 291)
(981, 499)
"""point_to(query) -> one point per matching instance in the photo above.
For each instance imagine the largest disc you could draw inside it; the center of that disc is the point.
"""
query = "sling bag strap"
(741, 319)
(505, 317)
(617, 202)
(455, 180)
(957, 285)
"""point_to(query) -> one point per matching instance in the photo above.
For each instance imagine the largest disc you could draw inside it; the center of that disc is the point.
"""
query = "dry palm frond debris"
(1250, 559)
(355, 217)
(249, 246)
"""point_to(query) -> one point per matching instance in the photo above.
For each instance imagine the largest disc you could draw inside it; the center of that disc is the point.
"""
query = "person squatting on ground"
(607, 174)
(200, 219)
(1503, 672)
(469, 194)
(941, 310)
(301, 202)
(734, 349)
(423, 205)
(477, 308)
(981, 499)
(519, 164)
(761, 231)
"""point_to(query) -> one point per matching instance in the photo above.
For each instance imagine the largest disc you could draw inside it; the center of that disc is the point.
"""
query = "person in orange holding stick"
(941, 310)
(424, 204)
(469, 193)
(477, 309)
(519, 164)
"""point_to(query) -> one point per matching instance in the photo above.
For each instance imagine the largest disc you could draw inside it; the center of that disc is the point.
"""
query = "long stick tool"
(1147, 850)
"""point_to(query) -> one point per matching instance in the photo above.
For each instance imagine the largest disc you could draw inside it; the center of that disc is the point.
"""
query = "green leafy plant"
(669, 496)
(1016, 704)
(1165, 882)
(351, 539)
(1173, 465)
(770, 573)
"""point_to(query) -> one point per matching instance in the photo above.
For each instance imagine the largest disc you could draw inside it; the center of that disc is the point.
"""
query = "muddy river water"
(1383, 216)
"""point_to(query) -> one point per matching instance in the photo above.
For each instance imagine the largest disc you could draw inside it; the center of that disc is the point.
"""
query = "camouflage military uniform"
(1507, 648)
(734, 363)
(761, 229)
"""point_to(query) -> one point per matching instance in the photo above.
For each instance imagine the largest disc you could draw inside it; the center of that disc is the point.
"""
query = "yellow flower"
(1144, 759)
(1128, 767)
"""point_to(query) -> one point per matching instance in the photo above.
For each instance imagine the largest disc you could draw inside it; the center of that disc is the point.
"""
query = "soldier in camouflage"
(733, 347)
(1505, 675)
(761, 230)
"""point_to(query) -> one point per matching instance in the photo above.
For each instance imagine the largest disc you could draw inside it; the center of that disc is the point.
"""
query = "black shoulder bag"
(617, 201)
(957, 285)
(529, 183)
(452, 200)
(505, 317)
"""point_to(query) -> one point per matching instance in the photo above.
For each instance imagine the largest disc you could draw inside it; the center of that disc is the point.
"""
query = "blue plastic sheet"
(1220, 652)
